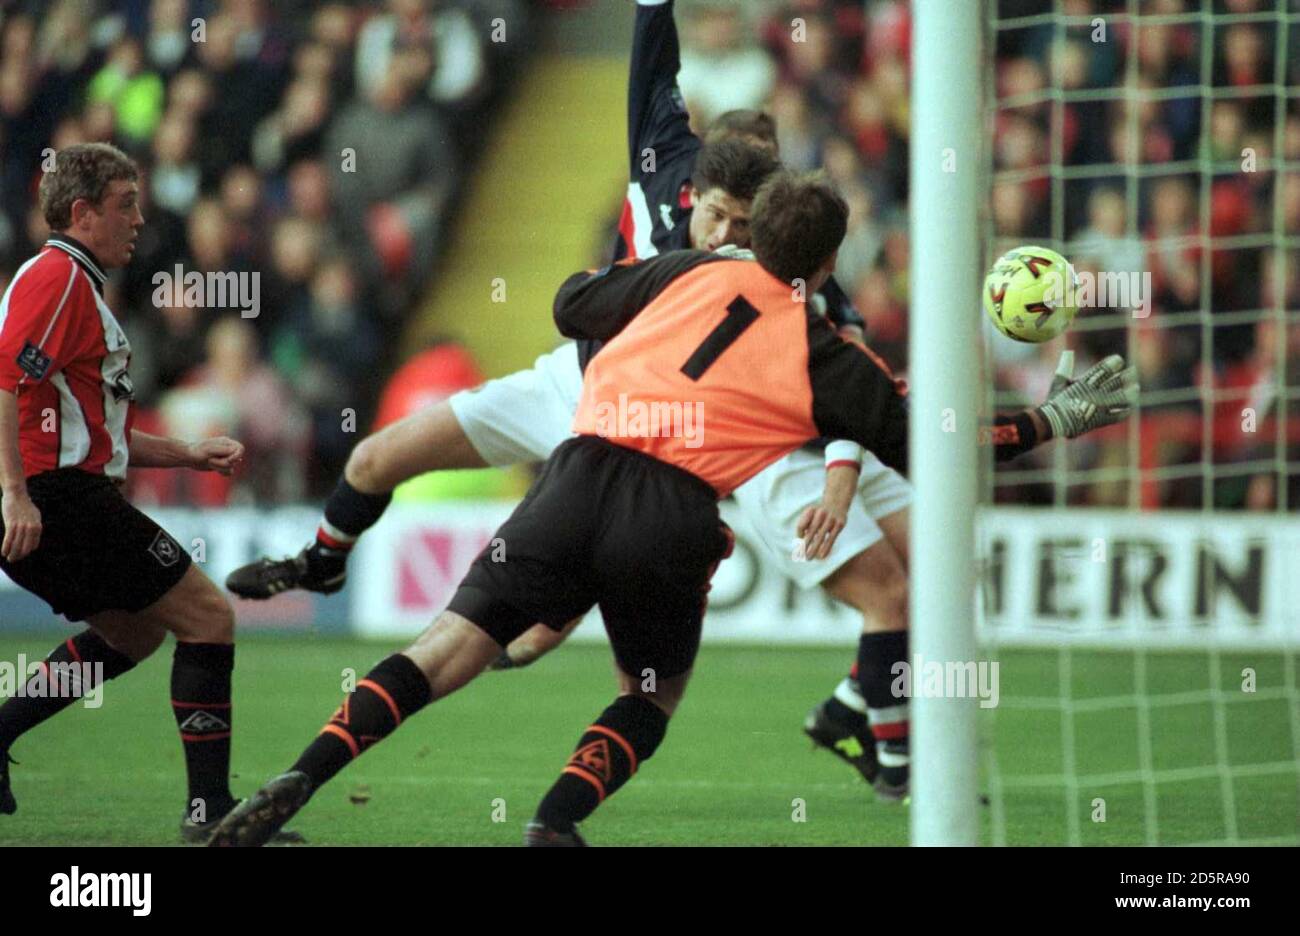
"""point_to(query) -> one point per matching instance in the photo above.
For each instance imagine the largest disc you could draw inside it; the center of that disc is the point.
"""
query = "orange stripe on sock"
(204, 737)
(622, 742)
(594, 781)
(347, 739)
(72, 648)
(383, 694)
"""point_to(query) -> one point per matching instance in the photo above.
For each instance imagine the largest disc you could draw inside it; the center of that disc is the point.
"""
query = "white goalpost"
(946, 169)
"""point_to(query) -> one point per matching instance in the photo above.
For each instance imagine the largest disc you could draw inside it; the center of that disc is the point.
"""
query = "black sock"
(348, 514)
(201, 703)
(388, 695)
(878, 653)
(37, 703)
(608, 753)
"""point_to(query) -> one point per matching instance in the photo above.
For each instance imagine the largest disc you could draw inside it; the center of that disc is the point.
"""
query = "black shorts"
(97, 552)
(604, 525)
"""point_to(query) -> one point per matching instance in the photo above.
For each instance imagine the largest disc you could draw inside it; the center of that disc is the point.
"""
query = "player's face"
(110, 230)
(718, 219)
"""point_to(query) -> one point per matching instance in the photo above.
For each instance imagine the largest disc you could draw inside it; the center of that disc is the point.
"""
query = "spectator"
(233, 393)
(410, 170)
(247, 94)
(169, 42)
(325, 349)
(445, 34)
(174, 181)
(1105, 240)
(723, 67)
(136, 95)
(296, 129)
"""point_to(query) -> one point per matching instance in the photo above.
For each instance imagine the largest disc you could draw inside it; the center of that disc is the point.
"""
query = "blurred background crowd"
(1129, 151)
(234, 109)
(1149, 146)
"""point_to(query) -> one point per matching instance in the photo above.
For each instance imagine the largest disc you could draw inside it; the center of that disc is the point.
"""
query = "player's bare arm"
(219, 454)
(22, 519)
(845, 373)
(821, 525)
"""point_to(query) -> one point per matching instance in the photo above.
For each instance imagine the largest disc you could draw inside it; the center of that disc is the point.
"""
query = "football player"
(625, 517)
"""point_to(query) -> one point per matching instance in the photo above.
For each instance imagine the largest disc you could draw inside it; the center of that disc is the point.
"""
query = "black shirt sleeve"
(656, 111)
(854, 395)
(599, 305)
(839, 307)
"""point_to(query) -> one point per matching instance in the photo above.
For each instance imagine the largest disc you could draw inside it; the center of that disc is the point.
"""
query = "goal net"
(1141, 586)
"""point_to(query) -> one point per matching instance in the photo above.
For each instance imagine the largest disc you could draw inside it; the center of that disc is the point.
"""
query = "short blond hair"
(82, 171)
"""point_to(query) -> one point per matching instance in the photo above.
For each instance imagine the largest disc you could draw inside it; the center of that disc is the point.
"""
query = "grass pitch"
(732, 771)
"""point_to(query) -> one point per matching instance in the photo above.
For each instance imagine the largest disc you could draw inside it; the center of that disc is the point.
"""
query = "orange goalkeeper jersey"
(714, 365)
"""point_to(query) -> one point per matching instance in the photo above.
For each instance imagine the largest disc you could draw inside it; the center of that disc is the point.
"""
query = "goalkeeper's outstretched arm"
(856, 397)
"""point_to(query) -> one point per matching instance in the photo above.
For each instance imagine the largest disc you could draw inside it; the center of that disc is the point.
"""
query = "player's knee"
(875, 584)
(141, 644)
(888, 608)
(851, 584)
(137, 641)
(364, 464)
(214, 618)
(663, 694)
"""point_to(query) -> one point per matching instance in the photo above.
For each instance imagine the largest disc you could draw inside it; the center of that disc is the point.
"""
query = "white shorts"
(773, 500)
(525, 416)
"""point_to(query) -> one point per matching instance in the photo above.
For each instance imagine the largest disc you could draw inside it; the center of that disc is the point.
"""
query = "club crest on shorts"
(165, 549)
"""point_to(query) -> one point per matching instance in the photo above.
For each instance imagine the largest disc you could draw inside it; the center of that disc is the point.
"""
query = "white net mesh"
(1156, 143)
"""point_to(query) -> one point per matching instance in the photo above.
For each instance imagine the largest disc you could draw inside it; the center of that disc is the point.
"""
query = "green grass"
(728, 773)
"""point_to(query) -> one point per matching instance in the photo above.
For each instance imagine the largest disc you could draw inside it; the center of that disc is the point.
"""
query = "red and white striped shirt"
(65, 357)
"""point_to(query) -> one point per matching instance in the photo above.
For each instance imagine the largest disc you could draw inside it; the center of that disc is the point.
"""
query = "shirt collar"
(82, 255)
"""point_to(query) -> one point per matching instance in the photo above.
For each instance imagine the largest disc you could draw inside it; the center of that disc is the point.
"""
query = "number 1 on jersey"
(740, 315)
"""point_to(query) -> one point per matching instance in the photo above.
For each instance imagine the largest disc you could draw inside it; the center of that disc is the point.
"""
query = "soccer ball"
(1030, 294)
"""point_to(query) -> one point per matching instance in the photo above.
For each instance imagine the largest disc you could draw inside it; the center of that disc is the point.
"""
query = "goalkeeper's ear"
(1064, 371)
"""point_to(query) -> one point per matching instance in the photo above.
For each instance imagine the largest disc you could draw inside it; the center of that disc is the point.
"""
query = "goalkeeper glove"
(732, 252)
(1105, 394)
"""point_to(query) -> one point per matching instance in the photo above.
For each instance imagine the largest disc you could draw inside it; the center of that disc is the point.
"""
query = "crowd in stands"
(1146, 148)
(1166, 135)
(318, 144)
(1135, 181)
